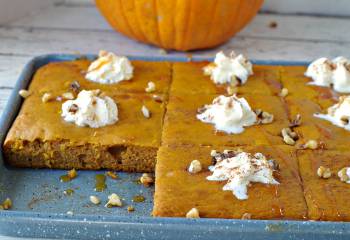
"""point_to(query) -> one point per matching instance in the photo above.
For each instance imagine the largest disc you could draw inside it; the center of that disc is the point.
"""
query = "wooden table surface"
(72, 28)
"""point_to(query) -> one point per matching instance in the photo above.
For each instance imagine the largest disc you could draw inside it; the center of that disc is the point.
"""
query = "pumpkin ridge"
(212, 25)
(157, 21)
(137, 27)
(127, 24)
(184, 42)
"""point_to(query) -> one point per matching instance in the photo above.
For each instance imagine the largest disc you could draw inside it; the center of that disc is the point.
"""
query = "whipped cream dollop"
(233, 69)
(339, 113)
(90, 109)
(240, 169)
(228, 114)
(326, 73)
(109, 68)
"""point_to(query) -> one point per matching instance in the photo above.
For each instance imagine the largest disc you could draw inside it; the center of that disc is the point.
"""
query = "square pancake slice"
(181, 126)
(188, 77)
(60, 75)
(40, 138)
(313, 128)
(177, 191)
(327, 199)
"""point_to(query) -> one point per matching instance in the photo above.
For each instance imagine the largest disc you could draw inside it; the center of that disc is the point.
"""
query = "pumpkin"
(179, 24)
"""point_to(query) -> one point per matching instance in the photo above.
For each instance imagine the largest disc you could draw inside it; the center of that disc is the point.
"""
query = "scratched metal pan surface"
(40, 206)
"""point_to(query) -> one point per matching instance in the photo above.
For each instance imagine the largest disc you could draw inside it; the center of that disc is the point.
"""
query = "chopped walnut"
(146, 179)
(213, 153)
(284, 92)
(311, 144)
(343, 175)
(289, 137)
(46, 97)
(112, 175)
(157, 98)
(73, 108)
(7, 204)
(246, 216)
(95, 200)
(195, 167)
(24, 93)
(263, 117)
(130, 209)
(324, 172)
(72, 174)
(151, 87)
(68, 95)
(75, 86)
(146, 113)
(295, 122)
(193, 213)
(114, 201)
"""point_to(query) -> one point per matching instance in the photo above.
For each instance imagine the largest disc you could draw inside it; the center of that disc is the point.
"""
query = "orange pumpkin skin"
(179, 24)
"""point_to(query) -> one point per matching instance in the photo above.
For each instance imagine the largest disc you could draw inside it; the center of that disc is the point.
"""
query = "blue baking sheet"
(40, 206)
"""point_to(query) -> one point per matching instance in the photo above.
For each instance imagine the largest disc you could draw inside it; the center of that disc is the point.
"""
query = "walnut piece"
(151, 87)
(114, 201)
(146, 179)
(95, 200)
(284, 92)
(289, 137)
(146, 113)
(46, 97)
(195, 167)
(24, 93)
(343, 175)
(193, 213)
(324, 172)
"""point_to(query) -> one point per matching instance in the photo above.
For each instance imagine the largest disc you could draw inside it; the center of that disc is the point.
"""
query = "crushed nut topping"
(151, 87)
(146, 113)
(213, 153)
(157, 98)
(68, 96)
(114, 201)
(130, 209)
(195, 167)
(146, 179)
(72, 174)
(343, 174)
(284, 92)
(73, 108)
(75, 86)
(324, 172)
(263, 117)
(296, 121)
(46, 97)
(246, 216)
(7, 204)
(112, 175)
(24, 93)
(311, 144)
(95, 200)
(289, 137)
(193, 213)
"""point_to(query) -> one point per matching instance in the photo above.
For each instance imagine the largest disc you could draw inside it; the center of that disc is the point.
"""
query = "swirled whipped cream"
(338, 114)
(231, 114)
(234, 69)
(335, 73)
(109, 68)
(239, 169)
(90, 109)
